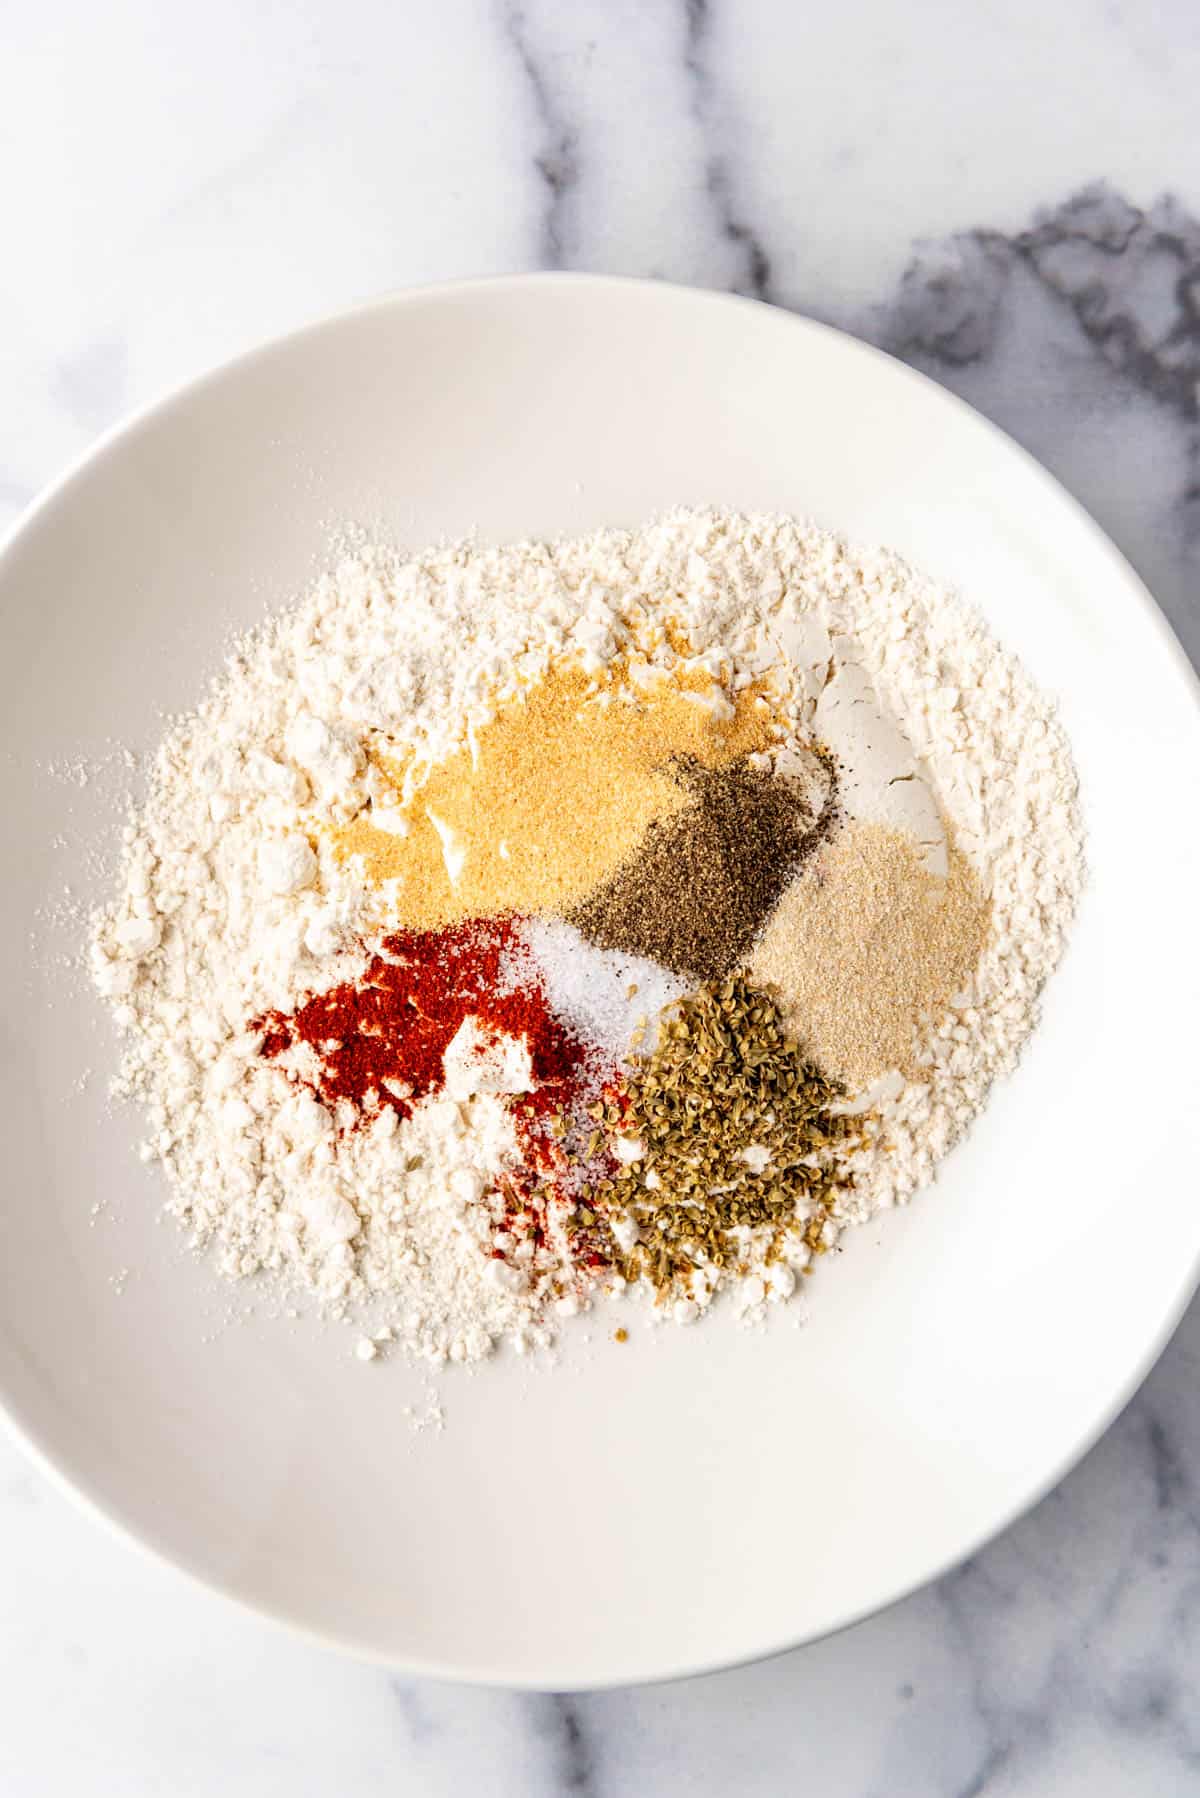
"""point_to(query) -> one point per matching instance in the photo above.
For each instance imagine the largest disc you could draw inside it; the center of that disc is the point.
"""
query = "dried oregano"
(738, 1134)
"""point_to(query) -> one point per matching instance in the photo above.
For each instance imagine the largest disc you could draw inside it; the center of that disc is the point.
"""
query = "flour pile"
(235, 904)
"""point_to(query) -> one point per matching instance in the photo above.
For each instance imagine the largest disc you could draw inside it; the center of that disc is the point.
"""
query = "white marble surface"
(178, 180)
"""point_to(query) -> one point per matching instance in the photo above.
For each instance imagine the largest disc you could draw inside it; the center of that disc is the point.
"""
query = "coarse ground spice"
(700, 883)
(740, 1138)
(867, 949)
(554, 792)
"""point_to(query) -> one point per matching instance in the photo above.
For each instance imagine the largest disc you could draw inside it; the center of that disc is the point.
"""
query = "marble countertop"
(1008, 197)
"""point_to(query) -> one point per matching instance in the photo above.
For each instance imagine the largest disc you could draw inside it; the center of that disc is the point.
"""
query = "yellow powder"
(563, 782)
(867, 946)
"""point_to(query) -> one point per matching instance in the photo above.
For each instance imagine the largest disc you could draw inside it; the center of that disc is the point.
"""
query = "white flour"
(226, 911)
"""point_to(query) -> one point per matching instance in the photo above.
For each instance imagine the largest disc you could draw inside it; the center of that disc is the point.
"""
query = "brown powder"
(701, 881)
(867, 946)
(565, 781)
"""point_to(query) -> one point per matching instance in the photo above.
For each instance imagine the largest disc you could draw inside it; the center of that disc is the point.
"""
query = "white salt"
(602, 993)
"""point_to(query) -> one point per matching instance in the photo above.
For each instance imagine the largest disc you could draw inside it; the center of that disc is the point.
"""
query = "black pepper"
(702, 882)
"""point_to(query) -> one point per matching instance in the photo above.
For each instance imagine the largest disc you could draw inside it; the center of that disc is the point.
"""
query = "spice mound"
(741, 1151)
(515, 930)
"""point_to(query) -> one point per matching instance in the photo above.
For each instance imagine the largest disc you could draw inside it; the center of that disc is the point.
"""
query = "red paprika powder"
(396, 1022)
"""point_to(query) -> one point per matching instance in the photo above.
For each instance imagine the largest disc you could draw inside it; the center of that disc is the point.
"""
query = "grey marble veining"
(1080, 334)
(1007, 198)
(752, 269)
(555, 161)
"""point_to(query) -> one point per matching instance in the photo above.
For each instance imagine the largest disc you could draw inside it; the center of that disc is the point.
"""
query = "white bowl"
(695, 1496)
